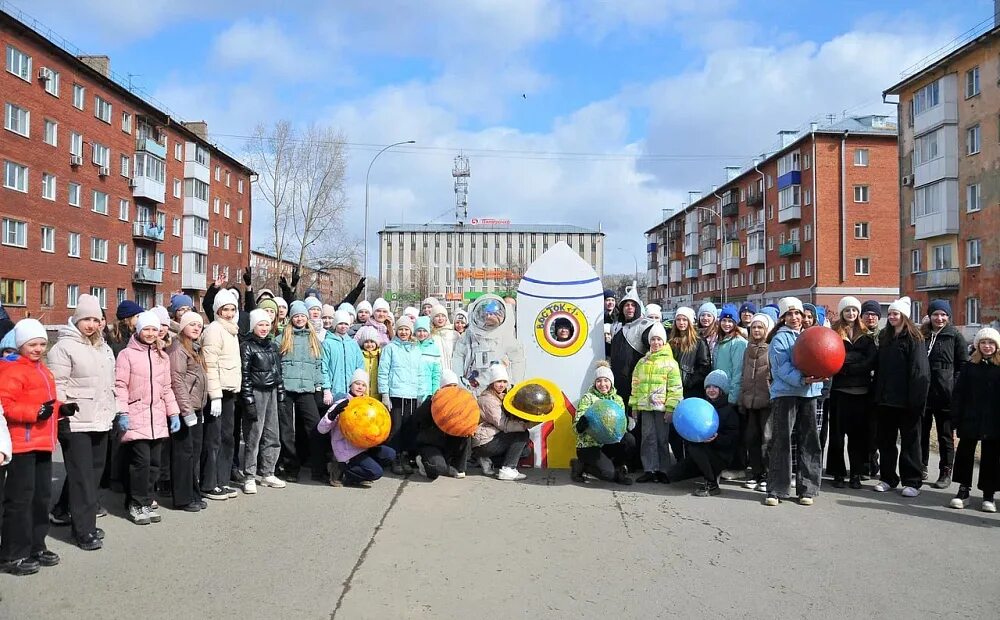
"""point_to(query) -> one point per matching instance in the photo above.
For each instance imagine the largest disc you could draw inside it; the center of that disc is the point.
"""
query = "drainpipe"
(763, 204)
(843, 205)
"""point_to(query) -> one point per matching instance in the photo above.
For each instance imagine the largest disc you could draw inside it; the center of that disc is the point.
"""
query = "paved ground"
(544, 547)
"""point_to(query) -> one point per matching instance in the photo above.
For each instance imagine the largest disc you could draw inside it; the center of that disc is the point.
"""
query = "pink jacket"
(142, 390)
(343, 450)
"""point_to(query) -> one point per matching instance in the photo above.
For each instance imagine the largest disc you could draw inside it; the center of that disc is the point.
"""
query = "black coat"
(728, 438)
(975, 405)
(261, 367)
(623, 359)
(902, 374)
(695, 366)
(428, 433)
(946, 358)
(858, 364)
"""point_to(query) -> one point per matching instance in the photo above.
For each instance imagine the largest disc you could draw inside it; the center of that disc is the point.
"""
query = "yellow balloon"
(365, 422)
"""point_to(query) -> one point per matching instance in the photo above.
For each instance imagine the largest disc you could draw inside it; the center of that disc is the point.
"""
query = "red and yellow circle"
(544, 333)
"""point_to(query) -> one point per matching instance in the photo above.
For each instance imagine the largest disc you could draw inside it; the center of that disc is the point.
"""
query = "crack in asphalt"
(621, 512)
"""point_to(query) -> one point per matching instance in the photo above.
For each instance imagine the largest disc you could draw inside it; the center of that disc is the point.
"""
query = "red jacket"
(24, 387)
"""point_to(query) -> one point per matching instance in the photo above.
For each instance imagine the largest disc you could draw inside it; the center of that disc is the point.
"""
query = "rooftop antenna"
(461, 173)
(130, 76)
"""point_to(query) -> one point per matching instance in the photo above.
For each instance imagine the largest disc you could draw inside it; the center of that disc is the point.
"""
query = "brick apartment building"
(333, 282)
(102, 192)
(817, 219)
(949, 203)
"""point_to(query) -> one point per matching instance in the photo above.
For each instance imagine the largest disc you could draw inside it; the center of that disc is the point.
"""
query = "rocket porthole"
(561, 329)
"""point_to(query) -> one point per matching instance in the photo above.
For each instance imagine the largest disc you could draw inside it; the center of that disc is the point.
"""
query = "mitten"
(246, 276)
(216, 408)
(175, 423)
(387, 402)
(46, 410)
(190, 420)
(122, 422)
(250, 411)
(582, 424)
(68, 410)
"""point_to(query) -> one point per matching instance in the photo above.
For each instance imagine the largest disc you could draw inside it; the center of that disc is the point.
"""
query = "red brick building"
(818, 219)
(102, 192)
(333, 282)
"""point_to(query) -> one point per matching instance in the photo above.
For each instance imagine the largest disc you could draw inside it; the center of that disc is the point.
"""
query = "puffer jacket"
(341, 357)
(858, 364)
(695, 366)
(729, 359)
(430, 368)
(187, 379)
(6, 447)
(656, 382)
(975, 406)
(445, 337)
(371, 359)
(591, 396)
(947, 352)
(261, 369)
(24, 387)
(493, 420)
(786, 379)
(902, 373)
(343, 450)
(300, 371)
(399, 369)
(85, 375)
(755, 379)
(221, 347)
(144, 391)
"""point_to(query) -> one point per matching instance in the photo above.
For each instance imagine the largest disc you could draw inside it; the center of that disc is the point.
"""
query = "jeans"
(26, 505)
(437, 460)
(788, 412)
(755, 439)
(367, 466)
(509, 445)
(849, 418)
(945, 438)
(143, 461)
(402, 433)
(185, 460)
(989, 464)
(602, 461)
(83, 456)
(260, 435)
(655, 448)
(902, 423)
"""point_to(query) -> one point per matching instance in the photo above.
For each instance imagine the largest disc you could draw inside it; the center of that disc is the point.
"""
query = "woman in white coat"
(444, 334)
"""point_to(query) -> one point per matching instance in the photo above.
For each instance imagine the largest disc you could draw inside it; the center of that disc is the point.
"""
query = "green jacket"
(588, 399)
(656, 382)
(300, 371)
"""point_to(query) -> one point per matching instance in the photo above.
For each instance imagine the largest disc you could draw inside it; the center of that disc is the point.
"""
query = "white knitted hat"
(657, 330)
(259, 316)
(27, 330)
(988, 333)
(149, 319)
(789, 303)
(686, 312)
(380, 304)
(224, 298)
(848, 302)
(902, 306)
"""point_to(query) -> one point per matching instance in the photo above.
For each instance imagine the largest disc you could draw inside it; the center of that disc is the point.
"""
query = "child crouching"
(605, 462)
(438, 453)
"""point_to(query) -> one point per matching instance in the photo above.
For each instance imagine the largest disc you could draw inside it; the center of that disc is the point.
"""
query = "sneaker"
(452, 472)
(805, 500)
(855, 482)
(771, 500)
(99, 533)
(486, 465)
(761, 486)
(202, 504)
(838, 482)
(961, 499)
(924, 475)
(988, 506)
(662, 478)
(405, 464)
(707, 490)
(360, 484)
(154, 515)
(646, 476)
(59, 517)
(881, 487)
(101, 511)
(250, 487)
(459, 474)
(420, 467)
(45, 557)
(154, 505)
(273, 482)
(510, 473)
(910, 492)
(138, 514)
(218, 493)
(20, 568)
(397, 467)
(751, 483)
(230, 492)
(944, 480)
(192, 507)
(622, 477)
(576, 471)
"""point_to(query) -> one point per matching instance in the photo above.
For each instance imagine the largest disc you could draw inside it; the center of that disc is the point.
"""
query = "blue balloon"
(606, 422)
(696, 420)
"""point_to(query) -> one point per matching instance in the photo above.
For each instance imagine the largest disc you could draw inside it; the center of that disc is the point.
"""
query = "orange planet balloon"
(455, 411)
(365, 422)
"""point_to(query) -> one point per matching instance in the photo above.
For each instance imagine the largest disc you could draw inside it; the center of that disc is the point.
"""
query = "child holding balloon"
(607, 461)
(656, 390)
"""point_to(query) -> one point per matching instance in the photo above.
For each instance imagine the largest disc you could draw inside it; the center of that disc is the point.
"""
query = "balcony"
(709, 269)
(690, 245)
(676, 272)
(756, 227)
(651, 276)
(792, 248)
(147, 275)
(730, 235)
(944, 220)
(674, 233)
(151, 146)
(937, 280)
(149, 231)
(150, 189)
(196, 206)
(755, 255)
(790, 214)
(789, 178)
(730, 209)
(755, 199)
(195, 170)
(691, 273)
(731, 262)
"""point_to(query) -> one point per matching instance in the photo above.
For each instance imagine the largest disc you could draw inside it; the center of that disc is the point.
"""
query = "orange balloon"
(365, 422)
(455, 411)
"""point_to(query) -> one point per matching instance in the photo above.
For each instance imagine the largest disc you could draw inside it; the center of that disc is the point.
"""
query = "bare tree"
(510, 276)
(619, 281)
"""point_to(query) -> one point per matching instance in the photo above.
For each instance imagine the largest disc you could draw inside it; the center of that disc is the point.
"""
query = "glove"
(282, 283)
(295, 276)
(246, 276)
(216, 408)
(250, 411)
(630, 424)
(46, 410)
(190, 420)
(122, 422)
(327, 397)
(581, 425)
(387, 402)
(175, 423)
(68, 410)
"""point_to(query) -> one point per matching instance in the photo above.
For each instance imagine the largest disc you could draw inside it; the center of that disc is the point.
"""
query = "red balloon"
(819, 352)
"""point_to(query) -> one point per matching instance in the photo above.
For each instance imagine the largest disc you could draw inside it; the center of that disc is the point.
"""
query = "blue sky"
(519, 85)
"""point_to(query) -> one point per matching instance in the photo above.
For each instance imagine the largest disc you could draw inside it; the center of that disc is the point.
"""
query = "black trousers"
(143, 460)
(709, 460)
(402, 434)
(741, 459)
(602, 461)
(755, 439)
(945, 438)
(437, 460)
(898, 422)
(848, 418)
(217, 438)
(300, 441)
(989, 464)
(236, 468)
(678, 447)
(83, 457)
(185, 463)
(508, 445)
(26, 505)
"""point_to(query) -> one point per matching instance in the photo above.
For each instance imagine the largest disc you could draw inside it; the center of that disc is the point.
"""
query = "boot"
(621, 476)
(397, 466)
(576, 471)
(944, 481)
(405, 463)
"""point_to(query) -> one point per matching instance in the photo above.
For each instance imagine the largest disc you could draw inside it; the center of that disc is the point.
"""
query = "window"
(861, 266)
(788, 163)
(972, 82)
(75, 144)
(122, 253)
(48, 186)
(215, 238)
(239, 216)
(972, 311)
(160, 259)
(18, 63)
(73, 245)
(126, 168)
(972, 140)
(860, 193)
(927, 97)
(973, 253)
(101, 294)
(225, 242)
(861, 230)
(102, 155)
(796, 270)
(200, 264)
(47, 295)
(807, 232)
(806, 161)
(973, 198)
(175, 264)
(200, 155)
(99, 250)
(51, 133)
(79, 92)
(72, 295)
(225, 211)
(178, 151)
(12, 291)
(239, 186)
(860, 157)
(150, 167)
(926, 148)
(121, 296)
(770, 243)
(942, 257)
(914, 261)
(239, 246)
(806, 197)
(915, 309)
(100, 200)
(227, 178)
(929, 199)
(102, 109)
(15, 233)
(791, 196)
(193, 188)
(48, 239)
(15, 176)
(781, 272)
(177, 227)
(809, 268)
(215, 205)
(126, 122)
(73, 193)
(177, 188)
(123, 209)
(200, 228)
(16, 119)
(218, 173)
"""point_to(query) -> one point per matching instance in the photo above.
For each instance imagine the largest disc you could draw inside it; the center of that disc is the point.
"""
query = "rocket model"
(560, 322)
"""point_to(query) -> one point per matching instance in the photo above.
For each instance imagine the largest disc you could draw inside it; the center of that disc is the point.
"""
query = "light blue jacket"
(399, 369)
(729, 358)
(430, 368)
(786, 379)
(341, 357)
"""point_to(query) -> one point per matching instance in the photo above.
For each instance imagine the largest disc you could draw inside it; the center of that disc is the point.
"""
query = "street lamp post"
(364, 268)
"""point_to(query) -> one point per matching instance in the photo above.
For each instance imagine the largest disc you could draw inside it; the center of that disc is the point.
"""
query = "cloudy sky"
(592, 112)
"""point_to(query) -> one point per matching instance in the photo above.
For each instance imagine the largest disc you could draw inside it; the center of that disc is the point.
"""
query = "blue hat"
(709, 308)
(748, 306)
(297, 307)
(729, 311)
(423, 322)
(8, 341)
(313, 292)
(809, 308)
(128, 309)
(179, 301)
(719, 379)
(313, 302)
(609, 293)
(939, 304)
(771, 311)
(820, 315)
(872, 306)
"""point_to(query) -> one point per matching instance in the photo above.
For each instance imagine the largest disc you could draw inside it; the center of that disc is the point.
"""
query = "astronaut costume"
(490, 338)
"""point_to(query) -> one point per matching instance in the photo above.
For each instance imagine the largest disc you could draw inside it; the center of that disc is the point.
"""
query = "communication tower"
(461, 173)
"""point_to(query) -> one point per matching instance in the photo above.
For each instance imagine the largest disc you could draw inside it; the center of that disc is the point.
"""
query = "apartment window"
(806, 197)
(860, 193)
(102, 109)
(215, 238)
(796, 270)
(177, 227)
(942, 257)
(239, 246)
(15, 177)
(122, 253)
(48, 186)
(178, 151)
(200, 264)
(770, 212)
(12, 291)
(861, 266)
(15, 233)
(16, 119)
(48, 239)
(73, 245)
(160, 260)
(809, 268)
(927, 97)
(51, 81)
(925, 148)
(123, 209)
(75, 144)
(215, 205)
(972, 82)
(126, 122)
(806, 161)
(150, 167)
(973, 198)
(72, 295)
(218, 173)
(18, 63)
(972, 311)
(807, 232)
(102, 155)
(177, 188)
(860, 157)
(781, 272)
(47, 296)
(51, 133)
(972, 140)
(770, 244)
(79, 93)
(239, 216)
(126, 168)
(193, 188)
(914, 261)
(915, 309)
(99, 250)
(101, 294)
(200, 228)
(239, 186)
(973, 253)
(227, 178)
(929, 199)
(100, 202)
(781, 237)
(73, 194)
(861, 230)
(121, 296)
(200, 155)
(225, 211)
(225, 242)
(788, 163)
(175, 264)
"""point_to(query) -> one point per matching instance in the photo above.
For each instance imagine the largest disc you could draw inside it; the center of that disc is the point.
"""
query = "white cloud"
(265, 47)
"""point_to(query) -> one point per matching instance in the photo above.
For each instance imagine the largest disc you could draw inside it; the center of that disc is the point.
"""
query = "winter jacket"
(6, 447)
(755, 379)
(975, 405)
(143, 390)
(300, 371)
(430, 368)
(399, 369)
(85, 375)
(383, 334)
(947, 352)
(629, 342)
(858, 364)
(656, 382)
(729, 359)
(445, 337)
(695, 366)
(786, 379)
(371, 360)
(24, 387)
(343, 450)
(728, 436)
(261, 369)
(341, 357)
(494, 420)
(591, 396)
(428, 433)
(902, 373)
(187, 379)
(220, 346)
